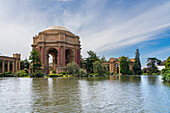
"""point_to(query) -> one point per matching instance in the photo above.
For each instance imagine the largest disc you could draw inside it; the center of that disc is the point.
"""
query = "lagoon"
(87, 95)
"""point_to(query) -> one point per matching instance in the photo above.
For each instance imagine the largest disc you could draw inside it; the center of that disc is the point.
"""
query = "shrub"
(21, 73)
(53, 75)
(82, 72)
(64, 73)
(9, 72)
(108, 73)
(26, 70)
(111, 73)
(130, 72)
(37, 74)
(1, 75)
(73, 68)
(54, 72)
(99, 68)
(115, 73)
(166, 74)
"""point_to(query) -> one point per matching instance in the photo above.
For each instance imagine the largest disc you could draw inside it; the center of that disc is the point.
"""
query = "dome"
(57, 28)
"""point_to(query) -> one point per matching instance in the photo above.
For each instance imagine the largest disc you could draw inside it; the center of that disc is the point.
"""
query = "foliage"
(82, 72)
(55, 75)
(54, 72)
(151, 63)
(21, 73)
(21, 64)
(167, 64)
(103, 59)
(37, 74)
(35, 60)
(130, 72)
(108, 73)
(99, 68)
(137, 64)
(124, 65)
(26, 70)
(73, 68)
(24, 64)
(89, 61)
(166, 75)
(64, 73)
(9, 72)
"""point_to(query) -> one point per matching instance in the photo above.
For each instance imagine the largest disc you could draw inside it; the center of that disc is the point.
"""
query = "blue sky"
(110, 27)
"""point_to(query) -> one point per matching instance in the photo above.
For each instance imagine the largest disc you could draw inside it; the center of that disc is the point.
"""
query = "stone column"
(8, 65)
(3, 66)
(59, 56)
(76, 56)
(64, 59)
(13, 66)
(19, 65)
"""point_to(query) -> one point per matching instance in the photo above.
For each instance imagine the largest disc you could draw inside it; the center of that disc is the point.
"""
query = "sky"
(112, 28)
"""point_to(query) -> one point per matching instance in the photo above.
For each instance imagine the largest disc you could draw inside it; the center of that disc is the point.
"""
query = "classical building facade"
(114, 66)
(10, 63)
(61, 44)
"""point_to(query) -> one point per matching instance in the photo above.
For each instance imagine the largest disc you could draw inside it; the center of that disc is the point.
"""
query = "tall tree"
(137, 64)
(21, 64)
(124, 65)
(103, 59)
(89, 61)
(35, 60)
(151, 63)
(26, 63)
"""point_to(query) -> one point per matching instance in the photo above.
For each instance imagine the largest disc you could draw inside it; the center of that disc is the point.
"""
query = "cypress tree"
(137, 64)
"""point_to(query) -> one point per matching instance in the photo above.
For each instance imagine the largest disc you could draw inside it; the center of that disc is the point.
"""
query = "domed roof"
(57, 28)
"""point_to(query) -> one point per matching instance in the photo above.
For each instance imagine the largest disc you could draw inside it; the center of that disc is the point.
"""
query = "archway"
(52, 60)
(69, 56)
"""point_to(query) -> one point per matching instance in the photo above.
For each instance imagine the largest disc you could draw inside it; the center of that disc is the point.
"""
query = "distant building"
(10, 63)
(114, 65)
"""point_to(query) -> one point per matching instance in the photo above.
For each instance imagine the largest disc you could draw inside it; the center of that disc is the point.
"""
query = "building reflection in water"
(53, 94)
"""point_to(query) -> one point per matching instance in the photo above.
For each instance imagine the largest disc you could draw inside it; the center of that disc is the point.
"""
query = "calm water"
(89, 95)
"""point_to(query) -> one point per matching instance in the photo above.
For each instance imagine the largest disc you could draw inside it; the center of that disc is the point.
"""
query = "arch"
(69, 56)
(54, 53)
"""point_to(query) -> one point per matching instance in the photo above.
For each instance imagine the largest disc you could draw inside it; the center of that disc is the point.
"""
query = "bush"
(130, 72)
(111, 73)
(166, 75)
(21, 73)
(54, 72)
(91, 75)
(73, 68)
(82, 72)
(64, 73)
(1, 75)
(26, 70)
(37, 74)
(108, 73)
(9, 72)
(55, 75)
(99, 68)
(115, 73)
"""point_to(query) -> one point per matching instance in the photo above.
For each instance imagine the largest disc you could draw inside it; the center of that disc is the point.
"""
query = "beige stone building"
(10, 63)
(114, 66)
(61, 44)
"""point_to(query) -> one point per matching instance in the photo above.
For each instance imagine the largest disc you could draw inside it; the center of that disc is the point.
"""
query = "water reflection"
(89, 95)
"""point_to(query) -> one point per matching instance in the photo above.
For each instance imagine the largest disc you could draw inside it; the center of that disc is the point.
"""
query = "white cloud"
(99, 29)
